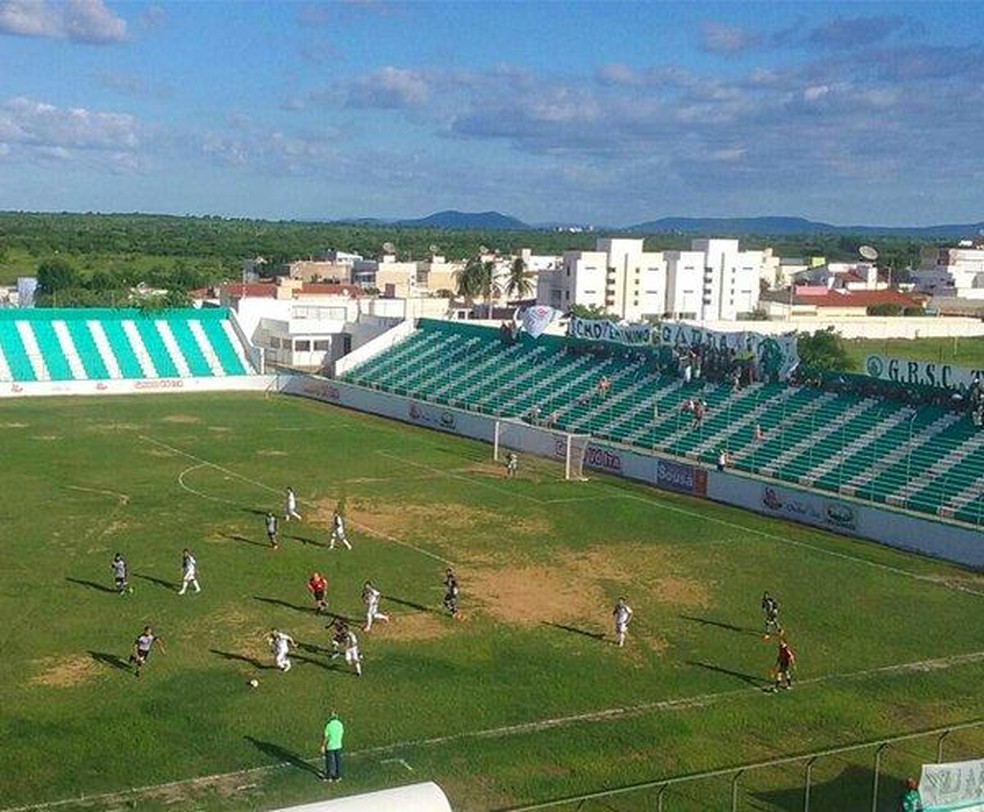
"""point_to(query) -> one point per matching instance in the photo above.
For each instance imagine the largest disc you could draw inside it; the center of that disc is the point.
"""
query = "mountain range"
(718, 226)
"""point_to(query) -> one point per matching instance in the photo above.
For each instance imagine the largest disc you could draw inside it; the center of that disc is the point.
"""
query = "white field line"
(619, 494)
(185, 486)
(536, 726)
(206, 463)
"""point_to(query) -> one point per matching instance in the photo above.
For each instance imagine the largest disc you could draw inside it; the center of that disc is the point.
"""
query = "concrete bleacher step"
(173, 350)
(526, 394)
(858, 444)
(147, 366)
(961, 499)
(618, 393)
(5, 373)
(738, 423)
(69, 350)
(101, 340)
(33, 351)
(812, 438)
(938, 426)
(926, 477)
(205, 347)
(237, 346)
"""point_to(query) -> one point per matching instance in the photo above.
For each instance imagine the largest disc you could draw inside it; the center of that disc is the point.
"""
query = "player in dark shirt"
(451, 592)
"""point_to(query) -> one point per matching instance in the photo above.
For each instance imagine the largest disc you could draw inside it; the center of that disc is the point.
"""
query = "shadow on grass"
(281, 755)
(413, 605)
(92, 585)
(335, 664)
(256, 511)
(706, 621)
(277, 602)
(304, 540)
(575, 630)
(231, 655)
(111, 660)
(749, 679)
(171, 586)
(244, 540)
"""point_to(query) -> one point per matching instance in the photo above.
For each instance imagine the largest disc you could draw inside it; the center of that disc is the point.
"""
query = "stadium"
(857, 503)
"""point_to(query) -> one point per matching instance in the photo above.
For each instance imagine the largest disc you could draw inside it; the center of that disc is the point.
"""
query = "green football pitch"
(524, 699)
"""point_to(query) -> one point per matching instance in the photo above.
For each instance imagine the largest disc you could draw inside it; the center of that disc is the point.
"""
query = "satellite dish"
(868, 252)
(388, 247)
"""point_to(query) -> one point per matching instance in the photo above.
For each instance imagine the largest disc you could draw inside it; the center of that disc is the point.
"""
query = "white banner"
(777, 355)
(953, 786)
(536, 319)
(603, 330)
(924, 373)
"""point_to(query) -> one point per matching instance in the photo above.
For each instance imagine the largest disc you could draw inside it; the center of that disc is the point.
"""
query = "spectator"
(910, 800)
(331, 747)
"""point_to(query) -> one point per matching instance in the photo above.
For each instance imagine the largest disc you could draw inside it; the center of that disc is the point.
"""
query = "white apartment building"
(957, 272)
(619, 277)
(713, 281)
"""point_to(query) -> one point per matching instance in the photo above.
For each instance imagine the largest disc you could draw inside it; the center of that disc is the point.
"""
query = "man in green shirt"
(910, 802)
(331, 746)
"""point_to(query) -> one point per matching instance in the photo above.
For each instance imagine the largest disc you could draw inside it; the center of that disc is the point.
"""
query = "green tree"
(57, 274)
(588, 311)
(824, 351)
(519, 284)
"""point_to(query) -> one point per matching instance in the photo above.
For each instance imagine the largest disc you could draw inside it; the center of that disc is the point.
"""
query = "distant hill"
(773, 226)
(478, 221)
(702, 226)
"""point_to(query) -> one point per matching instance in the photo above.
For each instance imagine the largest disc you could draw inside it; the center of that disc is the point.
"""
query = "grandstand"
(104, 345)
(928, 459)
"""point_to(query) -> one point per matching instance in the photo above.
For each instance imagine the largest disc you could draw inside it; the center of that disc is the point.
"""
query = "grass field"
(524, 700)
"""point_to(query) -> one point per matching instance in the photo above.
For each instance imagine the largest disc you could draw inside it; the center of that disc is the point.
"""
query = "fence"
(652, 795)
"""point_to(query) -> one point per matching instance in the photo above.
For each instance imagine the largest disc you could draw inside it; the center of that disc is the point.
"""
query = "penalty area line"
(628, 711)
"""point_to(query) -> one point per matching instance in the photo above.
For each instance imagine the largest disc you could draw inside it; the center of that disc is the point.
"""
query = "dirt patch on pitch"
(440, 522)
(181, 418)
(65, 672)
(270, 452)
(531, 595)
(220, 429)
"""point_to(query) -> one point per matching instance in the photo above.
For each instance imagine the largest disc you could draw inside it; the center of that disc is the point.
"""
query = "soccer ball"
(253, 683)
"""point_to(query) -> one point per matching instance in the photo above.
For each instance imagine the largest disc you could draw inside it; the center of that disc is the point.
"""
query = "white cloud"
(390, 88)
(87, 21)
(33, 131)
(719, 38)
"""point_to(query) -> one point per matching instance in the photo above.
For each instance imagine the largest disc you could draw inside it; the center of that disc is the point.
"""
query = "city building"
(714, 280)
(951, 272)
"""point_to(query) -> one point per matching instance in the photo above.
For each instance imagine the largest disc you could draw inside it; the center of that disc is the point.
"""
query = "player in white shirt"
(622, 613)
(290, 506)
(189, 572)
(370, 597)
(512, 463)
(280, 644)
(338, 532)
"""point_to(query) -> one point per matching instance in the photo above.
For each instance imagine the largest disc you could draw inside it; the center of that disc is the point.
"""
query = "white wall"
(228, 383)
(423, 797)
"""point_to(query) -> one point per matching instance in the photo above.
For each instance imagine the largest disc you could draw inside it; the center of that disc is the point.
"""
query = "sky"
(593, 113)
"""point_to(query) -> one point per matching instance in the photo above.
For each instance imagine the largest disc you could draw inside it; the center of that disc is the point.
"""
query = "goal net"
(515, 436)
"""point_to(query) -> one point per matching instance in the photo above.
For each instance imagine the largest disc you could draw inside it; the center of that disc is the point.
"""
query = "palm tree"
(518, 285)
(477, 279)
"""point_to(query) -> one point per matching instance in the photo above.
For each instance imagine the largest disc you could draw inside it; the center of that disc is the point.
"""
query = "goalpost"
(513, 435)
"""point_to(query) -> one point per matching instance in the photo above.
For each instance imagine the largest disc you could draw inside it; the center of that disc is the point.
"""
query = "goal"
(514, 435)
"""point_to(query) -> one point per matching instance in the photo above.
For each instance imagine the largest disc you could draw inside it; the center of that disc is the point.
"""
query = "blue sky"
(606, 113)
